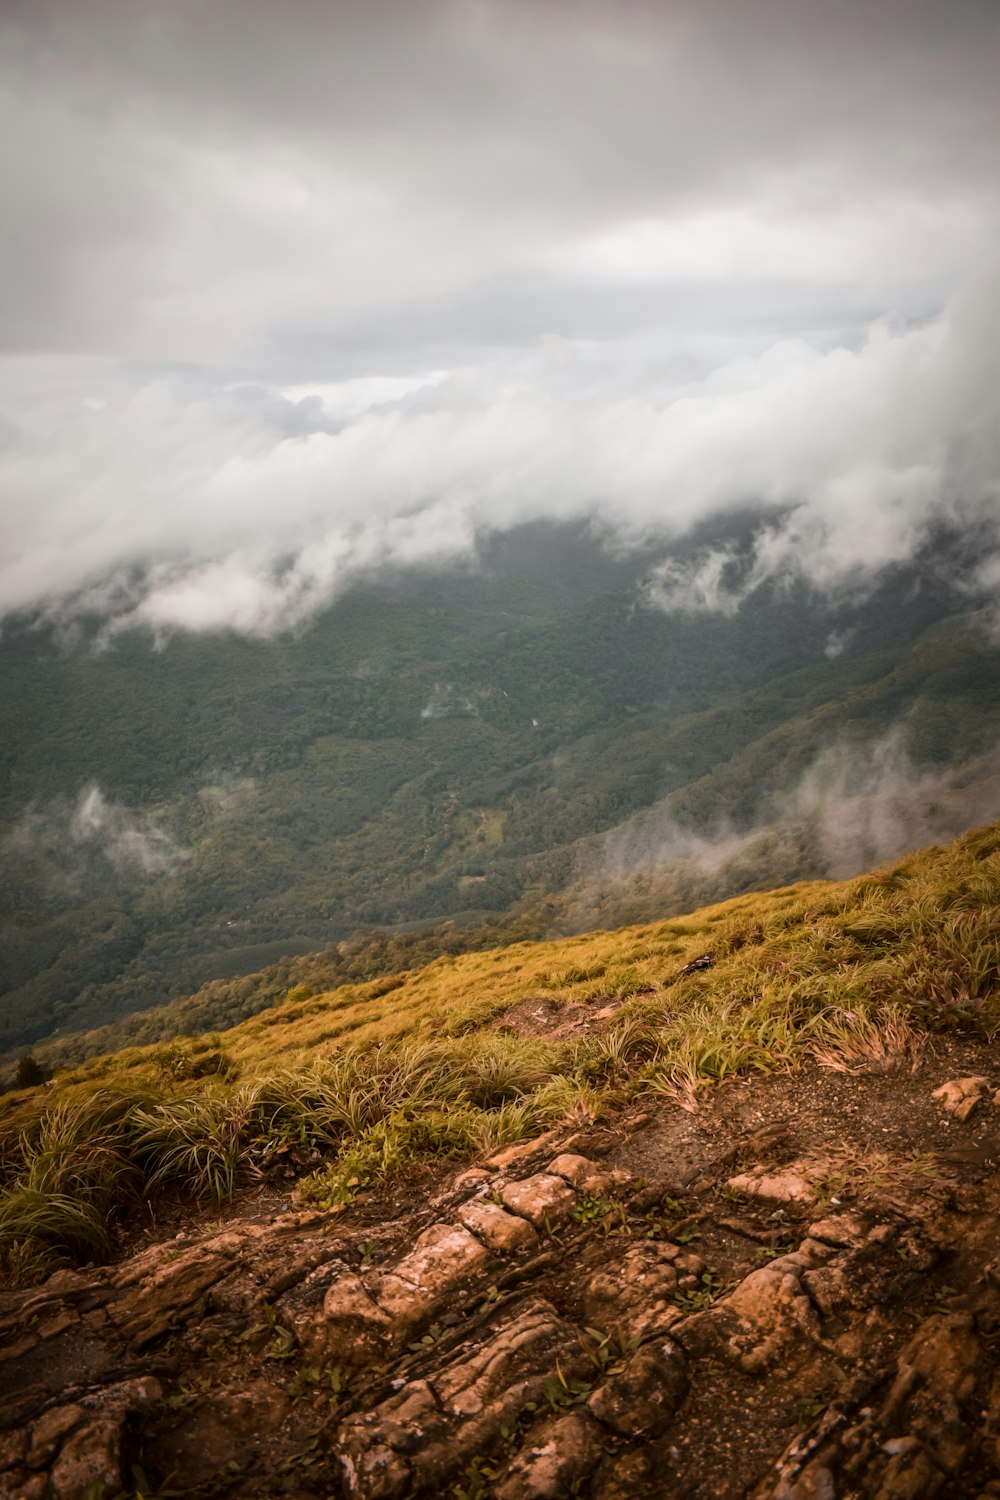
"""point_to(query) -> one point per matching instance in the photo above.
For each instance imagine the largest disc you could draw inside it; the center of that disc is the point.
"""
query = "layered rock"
(564, 1320)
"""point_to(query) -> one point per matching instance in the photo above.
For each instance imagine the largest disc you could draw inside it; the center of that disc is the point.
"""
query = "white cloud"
(856, 805)
(427, 268)
(182, 513)
(810, 243)
(62, 834)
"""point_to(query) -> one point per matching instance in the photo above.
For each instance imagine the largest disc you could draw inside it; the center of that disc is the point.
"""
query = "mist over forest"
(529, 746)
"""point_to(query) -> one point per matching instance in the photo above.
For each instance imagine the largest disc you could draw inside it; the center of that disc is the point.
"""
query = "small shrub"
(29, 1073)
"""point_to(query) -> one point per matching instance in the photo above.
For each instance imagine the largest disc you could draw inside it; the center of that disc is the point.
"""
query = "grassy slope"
(370, 1076)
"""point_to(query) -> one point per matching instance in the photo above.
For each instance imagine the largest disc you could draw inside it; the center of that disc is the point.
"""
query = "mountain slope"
(437, 747)
(537, 1249)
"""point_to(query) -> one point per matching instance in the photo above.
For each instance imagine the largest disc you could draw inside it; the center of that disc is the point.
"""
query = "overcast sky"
(292, 289)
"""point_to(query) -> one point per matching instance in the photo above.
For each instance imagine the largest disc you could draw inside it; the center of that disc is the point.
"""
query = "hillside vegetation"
(348, 1087)
(453, 746)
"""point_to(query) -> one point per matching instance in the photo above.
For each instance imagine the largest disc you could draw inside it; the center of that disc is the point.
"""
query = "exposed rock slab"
(443, 1342)
(640, 1400)
(442, 1263)
(797, 1183)
(413, 1440)
(960, 1096)
(502, 1232)
(914, 1443)
(759, 1323)
(556, 1460)
(543, 1199)
(635, 1297)
(586, 1175)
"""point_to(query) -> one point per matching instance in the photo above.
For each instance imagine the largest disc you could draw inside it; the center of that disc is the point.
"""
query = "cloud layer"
(185, 512)
(181, 173)
(290, 292)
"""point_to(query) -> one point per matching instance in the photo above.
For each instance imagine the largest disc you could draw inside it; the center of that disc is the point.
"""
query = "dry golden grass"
(850, 975)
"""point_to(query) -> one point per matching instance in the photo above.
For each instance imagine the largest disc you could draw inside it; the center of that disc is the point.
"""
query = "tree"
(29, 1073)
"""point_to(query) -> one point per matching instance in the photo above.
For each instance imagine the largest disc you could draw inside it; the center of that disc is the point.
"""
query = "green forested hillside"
(453, 746)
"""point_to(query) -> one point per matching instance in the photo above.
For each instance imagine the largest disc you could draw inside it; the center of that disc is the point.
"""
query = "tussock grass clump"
(194, 1144)
(850, 975)
(40, 1230)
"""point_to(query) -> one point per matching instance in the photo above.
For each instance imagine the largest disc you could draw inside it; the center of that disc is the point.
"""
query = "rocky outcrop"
(959, 1096)
(637, 1294)
(500, 1231)
(640, 1399)
(415, 1439)
(666, 1305)
(797, 1183)
(544, 1200)
(915, 1439)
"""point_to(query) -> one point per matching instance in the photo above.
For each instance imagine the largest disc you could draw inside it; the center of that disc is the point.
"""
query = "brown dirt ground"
(869, 1125)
